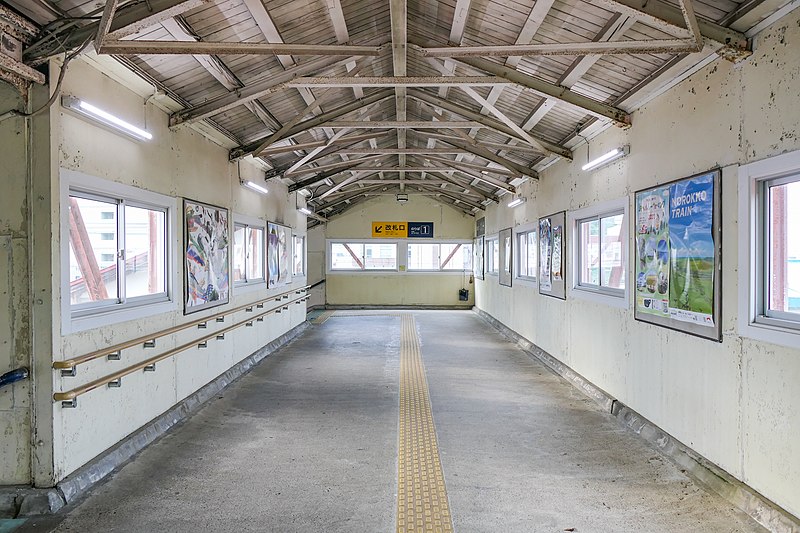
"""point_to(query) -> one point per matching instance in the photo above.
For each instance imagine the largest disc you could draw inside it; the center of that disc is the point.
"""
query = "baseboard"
(761, 509)
(26, 501)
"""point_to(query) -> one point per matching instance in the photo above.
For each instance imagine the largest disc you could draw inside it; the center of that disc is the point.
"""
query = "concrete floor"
(308, 441)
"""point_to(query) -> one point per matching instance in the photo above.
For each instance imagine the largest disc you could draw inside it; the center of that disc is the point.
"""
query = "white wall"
(735, 402)
(396, 288)
(178, 163)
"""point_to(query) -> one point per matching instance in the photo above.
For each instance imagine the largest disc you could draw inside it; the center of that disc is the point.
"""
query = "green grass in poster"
(698, 274)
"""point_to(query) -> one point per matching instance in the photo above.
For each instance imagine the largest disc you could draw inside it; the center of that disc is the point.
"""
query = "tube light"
(306, 211)
(519, 200)
(606, 158)
(104, 117)
(256, 187)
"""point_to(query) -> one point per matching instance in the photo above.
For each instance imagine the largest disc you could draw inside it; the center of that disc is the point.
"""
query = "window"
(248, 253)
(363, 256)
(780, 219)
(115, 260)
(599, 258)
(599, 252)
(492, 256)
(769, 249)
(439, 256)
(527, 256)
(299, 256)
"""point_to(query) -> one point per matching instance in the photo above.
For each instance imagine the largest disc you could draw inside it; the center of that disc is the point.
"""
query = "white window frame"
(404, 249)
(256, 223)
(305, 255)
(496, 240)
(400, 265)
(752, 321)
(524, 229)
(619, 298)
(88, 316)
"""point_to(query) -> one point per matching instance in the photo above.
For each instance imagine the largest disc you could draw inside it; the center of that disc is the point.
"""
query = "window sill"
(108, 317)
(580, 293)
(772, 334)
(527, 282)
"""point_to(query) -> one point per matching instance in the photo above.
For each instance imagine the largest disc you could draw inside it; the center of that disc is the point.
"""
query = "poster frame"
(505, 278)
(711, 333)
(187, 308)
(272, 284)
(478, 260)
(558, 288)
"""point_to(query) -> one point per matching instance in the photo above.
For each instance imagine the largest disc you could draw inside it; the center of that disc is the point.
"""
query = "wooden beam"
(486, 121)
(662, 46)
(471, 145)
(331, 142)
(587, 105)
(254, 91)
(315, 122)
(105, 23)
(406, 124)
(128, 19)
(232, 48)
(398, 81)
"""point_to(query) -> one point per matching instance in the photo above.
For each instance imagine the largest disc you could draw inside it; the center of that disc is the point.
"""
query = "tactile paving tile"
(325, 315)
(421, 493)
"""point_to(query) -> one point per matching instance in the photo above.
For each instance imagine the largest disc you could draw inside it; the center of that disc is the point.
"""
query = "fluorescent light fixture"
(306, 211)
(255, 186)
(606, 158)
(329, 182)
(402, 198)
(104, 117)
(519, 200)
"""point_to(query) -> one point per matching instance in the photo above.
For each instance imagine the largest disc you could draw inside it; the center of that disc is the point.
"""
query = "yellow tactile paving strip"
(325, 315)
(421, 493)
(422, 505)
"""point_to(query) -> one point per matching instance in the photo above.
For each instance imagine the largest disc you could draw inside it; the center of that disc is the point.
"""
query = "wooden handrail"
(67, 364)
(83, 389)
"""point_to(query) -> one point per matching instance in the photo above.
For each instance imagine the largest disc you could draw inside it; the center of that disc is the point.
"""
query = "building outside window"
(248, 254)
(363, 256)
(527, 255)
(115, 260)
(299, 256)
(599, 252)
(439, 256)
(492, 256)
(780, 232)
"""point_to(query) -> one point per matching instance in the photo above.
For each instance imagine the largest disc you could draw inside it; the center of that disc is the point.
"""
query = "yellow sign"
(392, 230)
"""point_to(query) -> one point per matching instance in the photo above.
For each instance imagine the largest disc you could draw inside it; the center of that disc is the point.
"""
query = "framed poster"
(477, 258)
(207, 250)
(504, 241)
(552, 242)
(279, 266)
(678, 255)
